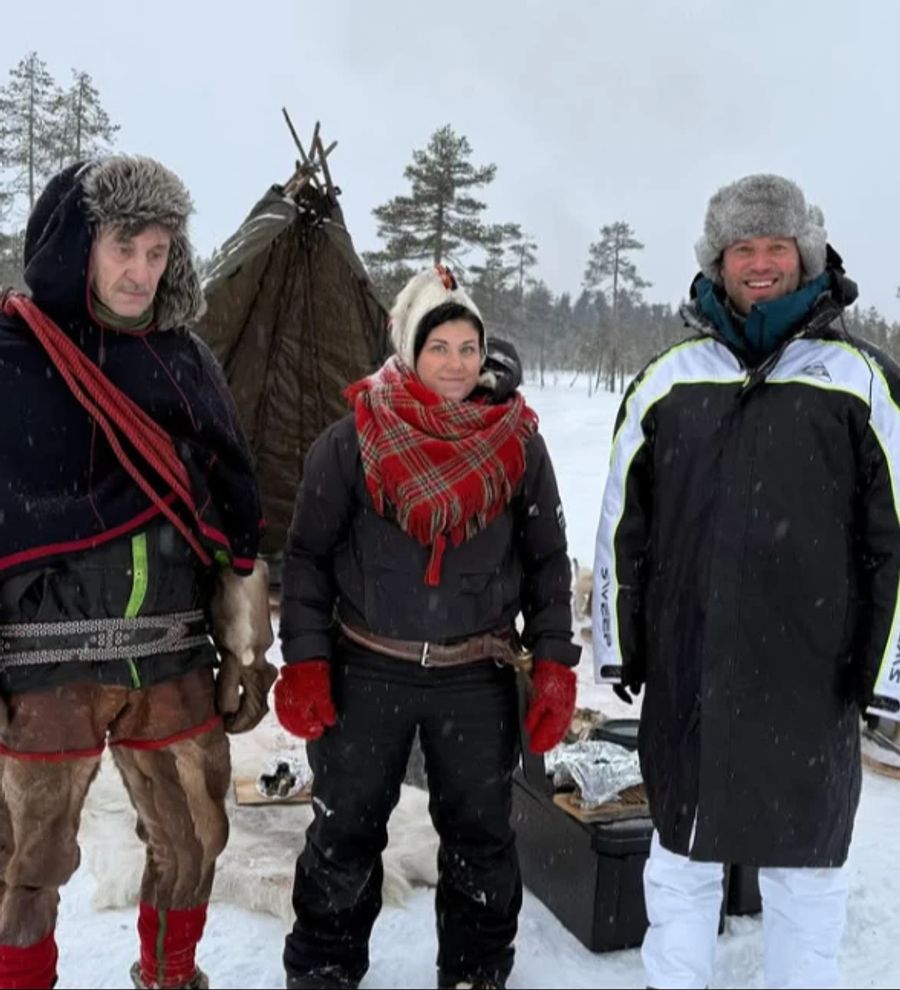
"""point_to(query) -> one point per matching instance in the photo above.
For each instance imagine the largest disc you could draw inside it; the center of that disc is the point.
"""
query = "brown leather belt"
(501, 646)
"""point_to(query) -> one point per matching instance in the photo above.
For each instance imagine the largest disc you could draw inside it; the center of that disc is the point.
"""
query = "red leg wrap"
(31, 966)
(168, 944)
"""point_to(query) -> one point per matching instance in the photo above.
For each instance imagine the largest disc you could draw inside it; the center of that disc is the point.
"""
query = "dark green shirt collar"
(128, 324)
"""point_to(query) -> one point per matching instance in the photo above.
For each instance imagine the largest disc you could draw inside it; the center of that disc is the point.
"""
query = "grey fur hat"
(762, 206)
(133, 192)
(422, 293)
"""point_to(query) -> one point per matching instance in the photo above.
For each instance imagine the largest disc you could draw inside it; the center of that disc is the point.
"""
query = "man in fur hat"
(130, 523)
(746, 574)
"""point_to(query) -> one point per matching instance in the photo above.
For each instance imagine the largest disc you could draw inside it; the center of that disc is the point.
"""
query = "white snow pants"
(804, 911)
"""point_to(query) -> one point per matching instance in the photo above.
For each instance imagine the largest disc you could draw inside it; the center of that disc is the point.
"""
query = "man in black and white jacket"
(746, 575)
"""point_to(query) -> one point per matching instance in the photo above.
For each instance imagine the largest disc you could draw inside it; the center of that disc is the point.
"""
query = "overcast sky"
(592, 111)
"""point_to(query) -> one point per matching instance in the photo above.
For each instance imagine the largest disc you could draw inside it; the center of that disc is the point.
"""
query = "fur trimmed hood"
(762, 206)
(123, 191)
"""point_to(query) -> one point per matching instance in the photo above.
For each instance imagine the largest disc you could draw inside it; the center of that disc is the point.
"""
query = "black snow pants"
(468, 724)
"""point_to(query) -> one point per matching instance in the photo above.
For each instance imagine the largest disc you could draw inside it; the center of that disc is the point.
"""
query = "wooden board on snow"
(631, 803)
(246, 793)
(879, 766)
(880, 754)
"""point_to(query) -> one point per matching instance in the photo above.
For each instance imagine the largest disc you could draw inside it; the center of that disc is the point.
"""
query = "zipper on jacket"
(139, 581)
(761, 371)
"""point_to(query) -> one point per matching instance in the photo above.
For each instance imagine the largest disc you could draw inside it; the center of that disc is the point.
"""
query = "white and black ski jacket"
(746, 574)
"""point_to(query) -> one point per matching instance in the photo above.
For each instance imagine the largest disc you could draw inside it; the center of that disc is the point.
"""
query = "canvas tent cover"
(293, 318)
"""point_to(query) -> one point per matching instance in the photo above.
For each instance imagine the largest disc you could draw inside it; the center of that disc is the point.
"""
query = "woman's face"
(450, 361)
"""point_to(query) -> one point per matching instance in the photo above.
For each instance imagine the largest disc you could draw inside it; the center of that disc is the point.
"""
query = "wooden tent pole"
(312, 155)
(323, 155)
(306, 159)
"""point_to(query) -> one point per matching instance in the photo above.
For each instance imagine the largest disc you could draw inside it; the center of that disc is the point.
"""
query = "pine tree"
(387, 277)
(539, 315)
(492, 281)
(438, 220)
(6, 196)
(11, 274)
(29, 112)
(562, 343)
(589, 313)
(523, 252)
(85, 128)
(608, 264)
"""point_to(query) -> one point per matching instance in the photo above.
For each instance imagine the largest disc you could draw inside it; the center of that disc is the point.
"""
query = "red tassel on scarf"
(433, 571)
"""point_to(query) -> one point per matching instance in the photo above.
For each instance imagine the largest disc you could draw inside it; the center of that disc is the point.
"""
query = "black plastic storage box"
(590, 875)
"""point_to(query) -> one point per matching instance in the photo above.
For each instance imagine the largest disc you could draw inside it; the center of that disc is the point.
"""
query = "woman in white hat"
(426, 521)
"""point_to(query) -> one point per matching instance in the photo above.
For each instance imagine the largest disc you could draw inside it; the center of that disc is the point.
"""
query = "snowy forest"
(607, 332)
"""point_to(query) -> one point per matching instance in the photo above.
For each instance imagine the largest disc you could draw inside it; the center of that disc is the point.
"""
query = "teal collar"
(768, 324)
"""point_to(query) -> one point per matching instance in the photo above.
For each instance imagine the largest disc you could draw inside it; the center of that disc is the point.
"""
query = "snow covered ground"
(242, 948)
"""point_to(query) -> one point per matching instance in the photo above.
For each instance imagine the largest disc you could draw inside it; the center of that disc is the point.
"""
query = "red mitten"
(550, 712)
(303, 702)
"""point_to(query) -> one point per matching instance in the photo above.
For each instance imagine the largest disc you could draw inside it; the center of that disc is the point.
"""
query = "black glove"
(621, 692)
(625, 688)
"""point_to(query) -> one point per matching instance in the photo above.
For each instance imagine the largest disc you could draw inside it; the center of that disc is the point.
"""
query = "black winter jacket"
(746, 573)
(64, 490)
(342, 554)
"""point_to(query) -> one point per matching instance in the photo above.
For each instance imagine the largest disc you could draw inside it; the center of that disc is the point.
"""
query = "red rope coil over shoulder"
(114, 411)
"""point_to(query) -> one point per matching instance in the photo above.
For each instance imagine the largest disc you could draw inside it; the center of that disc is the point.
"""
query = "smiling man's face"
(760, 269)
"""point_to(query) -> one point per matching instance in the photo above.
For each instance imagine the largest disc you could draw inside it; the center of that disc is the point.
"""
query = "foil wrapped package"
(599, 769)
(283, 776)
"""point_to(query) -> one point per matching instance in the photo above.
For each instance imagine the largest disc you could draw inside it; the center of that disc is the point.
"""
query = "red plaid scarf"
(447, 468)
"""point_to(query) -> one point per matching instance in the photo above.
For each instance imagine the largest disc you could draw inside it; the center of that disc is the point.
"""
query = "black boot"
(326, 978)
(451, 981)
(199, 981)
